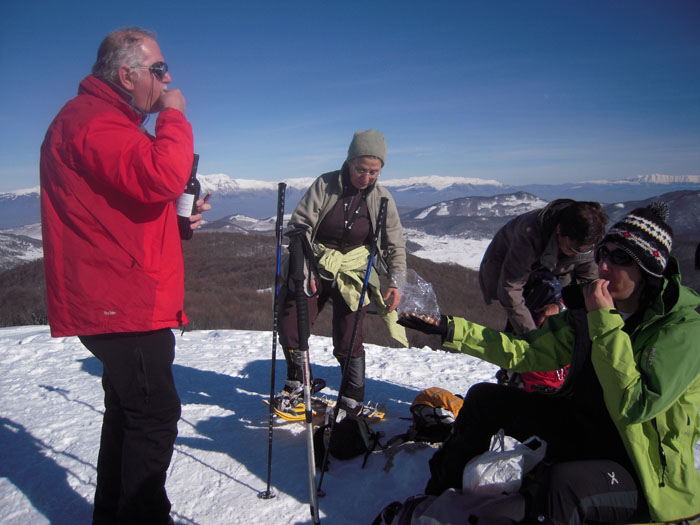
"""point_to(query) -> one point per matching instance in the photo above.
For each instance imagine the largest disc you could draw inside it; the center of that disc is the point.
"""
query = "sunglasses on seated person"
(616, 257)
(159, 69)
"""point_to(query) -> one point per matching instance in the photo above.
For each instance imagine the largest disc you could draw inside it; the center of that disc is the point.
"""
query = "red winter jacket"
(112, 252)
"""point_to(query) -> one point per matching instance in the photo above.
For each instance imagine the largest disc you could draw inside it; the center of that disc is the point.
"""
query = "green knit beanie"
(368, 143)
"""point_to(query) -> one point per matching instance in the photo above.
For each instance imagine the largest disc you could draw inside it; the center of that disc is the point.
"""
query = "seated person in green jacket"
(622, 429)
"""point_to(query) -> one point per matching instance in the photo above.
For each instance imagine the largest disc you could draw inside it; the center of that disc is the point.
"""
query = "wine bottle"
(187, 203)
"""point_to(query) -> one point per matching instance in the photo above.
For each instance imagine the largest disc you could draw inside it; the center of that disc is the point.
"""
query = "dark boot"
(294, 364)
(295, 372)
(355, 386)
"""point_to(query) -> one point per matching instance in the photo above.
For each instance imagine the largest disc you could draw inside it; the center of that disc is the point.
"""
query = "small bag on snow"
(490, 492)
(499, 470)
(351, 437)
(434, 412)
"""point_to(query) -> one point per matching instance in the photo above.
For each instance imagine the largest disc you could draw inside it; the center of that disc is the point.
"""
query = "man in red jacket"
(113, 259)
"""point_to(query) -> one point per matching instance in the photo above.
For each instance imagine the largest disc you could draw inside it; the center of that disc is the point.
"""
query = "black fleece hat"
(645, 236)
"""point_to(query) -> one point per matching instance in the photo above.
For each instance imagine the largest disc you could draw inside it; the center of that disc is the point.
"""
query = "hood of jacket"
(107, 91)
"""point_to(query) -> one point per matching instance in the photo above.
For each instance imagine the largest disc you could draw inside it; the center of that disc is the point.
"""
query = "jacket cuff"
(603, 320)
(456, 330)
(449, 329)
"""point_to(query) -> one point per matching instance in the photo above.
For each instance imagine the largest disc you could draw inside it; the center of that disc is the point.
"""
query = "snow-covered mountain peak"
(658, 178)
(655, 178)
(18, 193)
(222, 184)
(437, 182)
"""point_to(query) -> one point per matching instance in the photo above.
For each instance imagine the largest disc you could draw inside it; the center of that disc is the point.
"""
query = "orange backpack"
(434, 412)
(446, 405)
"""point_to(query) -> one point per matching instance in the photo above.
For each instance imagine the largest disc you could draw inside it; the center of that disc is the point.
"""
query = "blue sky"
(527, 91)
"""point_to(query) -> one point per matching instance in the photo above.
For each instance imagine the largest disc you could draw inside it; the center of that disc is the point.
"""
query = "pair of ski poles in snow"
(296, 274)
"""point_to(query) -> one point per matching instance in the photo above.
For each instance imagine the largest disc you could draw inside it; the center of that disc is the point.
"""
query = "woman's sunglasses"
(616, 257)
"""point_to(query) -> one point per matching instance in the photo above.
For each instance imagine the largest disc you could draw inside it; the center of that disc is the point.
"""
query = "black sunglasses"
(159, 69)
(616, 257)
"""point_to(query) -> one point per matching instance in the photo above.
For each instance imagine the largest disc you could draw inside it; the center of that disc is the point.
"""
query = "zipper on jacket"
(662, 455)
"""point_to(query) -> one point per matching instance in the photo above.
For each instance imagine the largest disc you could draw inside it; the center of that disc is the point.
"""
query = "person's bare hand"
(547, 310)
(544, 312)
(195, 220)
(172, 98)
(395, 296)
(597, 296)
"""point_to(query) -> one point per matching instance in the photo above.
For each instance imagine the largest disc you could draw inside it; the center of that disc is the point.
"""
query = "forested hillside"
(229, 281)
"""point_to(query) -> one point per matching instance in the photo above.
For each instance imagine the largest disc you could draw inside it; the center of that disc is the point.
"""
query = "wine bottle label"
(184, 205)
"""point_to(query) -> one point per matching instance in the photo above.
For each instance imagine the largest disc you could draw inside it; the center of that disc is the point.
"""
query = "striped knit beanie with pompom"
(645, 236)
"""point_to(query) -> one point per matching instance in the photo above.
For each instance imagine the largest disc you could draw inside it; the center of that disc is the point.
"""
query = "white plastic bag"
(499, 470)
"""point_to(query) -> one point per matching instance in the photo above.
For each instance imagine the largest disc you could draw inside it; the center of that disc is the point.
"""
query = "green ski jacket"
(650, 380)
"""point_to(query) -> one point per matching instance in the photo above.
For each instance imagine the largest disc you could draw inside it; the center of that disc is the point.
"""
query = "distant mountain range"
(19, 246)
(19, 208)
(481, 217)
(257, 199)
(474, 216)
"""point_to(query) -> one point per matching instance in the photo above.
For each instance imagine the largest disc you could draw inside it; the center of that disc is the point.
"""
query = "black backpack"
(351, 437)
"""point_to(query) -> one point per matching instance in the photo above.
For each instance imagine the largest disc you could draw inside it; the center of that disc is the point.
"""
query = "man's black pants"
(139, 427)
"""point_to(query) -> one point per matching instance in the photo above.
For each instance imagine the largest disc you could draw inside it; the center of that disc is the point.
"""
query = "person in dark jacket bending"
(525, 260)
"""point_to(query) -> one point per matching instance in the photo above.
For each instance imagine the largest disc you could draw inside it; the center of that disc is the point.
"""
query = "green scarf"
(347, 271)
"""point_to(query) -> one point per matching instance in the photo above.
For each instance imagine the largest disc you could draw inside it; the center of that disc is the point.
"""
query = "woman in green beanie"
(339, 213)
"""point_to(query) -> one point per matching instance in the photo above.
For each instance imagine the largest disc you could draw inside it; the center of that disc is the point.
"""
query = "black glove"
(443, 328)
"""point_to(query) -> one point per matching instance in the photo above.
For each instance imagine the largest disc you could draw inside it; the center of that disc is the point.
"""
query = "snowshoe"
(373, 412)
(289, 402)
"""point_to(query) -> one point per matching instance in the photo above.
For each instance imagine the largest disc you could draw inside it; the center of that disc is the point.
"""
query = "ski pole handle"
(281, 188)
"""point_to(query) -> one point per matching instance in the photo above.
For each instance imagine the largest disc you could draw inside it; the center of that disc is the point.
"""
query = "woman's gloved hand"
(444, 327)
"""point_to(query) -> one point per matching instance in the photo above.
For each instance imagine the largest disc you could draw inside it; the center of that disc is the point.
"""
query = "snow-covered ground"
(51, 412)
(448, 249)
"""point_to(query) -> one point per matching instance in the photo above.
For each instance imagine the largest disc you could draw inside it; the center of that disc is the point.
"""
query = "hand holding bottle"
(202, 206)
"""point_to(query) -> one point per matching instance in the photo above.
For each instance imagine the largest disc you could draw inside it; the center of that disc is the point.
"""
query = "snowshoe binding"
(288, 404)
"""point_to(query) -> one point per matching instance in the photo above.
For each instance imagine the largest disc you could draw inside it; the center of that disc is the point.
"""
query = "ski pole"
(343, 382)
(269, 494)
(296, 272)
